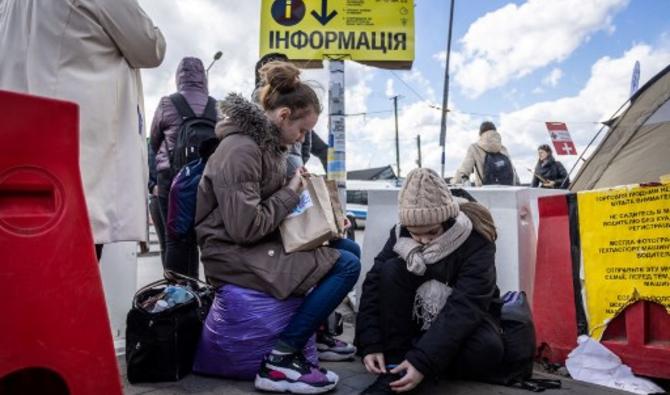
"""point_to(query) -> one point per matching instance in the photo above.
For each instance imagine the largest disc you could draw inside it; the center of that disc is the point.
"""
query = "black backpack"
(518, 335)
(193, 131)
(498, 169)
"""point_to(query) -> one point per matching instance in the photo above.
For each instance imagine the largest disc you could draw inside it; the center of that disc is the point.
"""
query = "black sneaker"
(382, 384)
(293, 373)
(332, 349)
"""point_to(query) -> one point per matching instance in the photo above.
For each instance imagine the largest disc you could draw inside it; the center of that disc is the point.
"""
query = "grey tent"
(637, 147)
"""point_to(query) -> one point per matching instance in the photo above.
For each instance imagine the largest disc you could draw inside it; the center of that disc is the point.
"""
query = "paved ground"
(353, 377)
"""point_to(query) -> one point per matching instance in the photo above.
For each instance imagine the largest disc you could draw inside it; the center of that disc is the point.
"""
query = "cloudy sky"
(517, 63)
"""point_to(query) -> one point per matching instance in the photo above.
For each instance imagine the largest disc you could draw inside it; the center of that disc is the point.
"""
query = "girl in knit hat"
(430, 305)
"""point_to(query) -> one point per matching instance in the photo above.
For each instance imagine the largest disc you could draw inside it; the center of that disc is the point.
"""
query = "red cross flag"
(561, 139)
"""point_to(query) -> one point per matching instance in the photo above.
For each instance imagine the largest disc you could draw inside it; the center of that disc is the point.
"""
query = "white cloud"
(200, 28)
(514, 41)
(203, 27)
(553, 77)
(605, 91)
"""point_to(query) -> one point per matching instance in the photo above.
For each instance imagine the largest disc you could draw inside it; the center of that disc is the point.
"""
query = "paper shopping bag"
(338, 210)
(312, 222)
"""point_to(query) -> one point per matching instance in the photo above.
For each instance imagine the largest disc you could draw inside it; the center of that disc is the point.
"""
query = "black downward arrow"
(324, 17)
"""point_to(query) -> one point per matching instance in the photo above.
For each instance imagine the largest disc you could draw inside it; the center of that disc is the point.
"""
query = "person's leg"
(323, 299)
(286, 368)
(397, 289)
(193, 255)
(347, 245)
(98, 251)
(480, 355)
(176, 257)
(164, 179)
(159, 226)
(329, 347)
(182, 255)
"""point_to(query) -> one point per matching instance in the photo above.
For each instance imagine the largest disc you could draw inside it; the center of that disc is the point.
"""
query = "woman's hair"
(282, 87)
(546, 148)
(482, 221)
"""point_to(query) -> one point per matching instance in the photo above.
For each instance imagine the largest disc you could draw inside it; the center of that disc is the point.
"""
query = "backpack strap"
(183, 108)
(210, 109)
(481, 178)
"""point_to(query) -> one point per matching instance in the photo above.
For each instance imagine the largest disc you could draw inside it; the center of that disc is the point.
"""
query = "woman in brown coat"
(243, 197)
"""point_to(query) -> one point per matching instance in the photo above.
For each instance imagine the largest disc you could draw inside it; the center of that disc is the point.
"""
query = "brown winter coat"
(242, 199)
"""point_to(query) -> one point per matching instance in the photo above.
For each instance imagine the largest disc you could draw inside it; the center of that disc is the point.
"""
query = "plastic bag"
(594, 363)
(241, 328)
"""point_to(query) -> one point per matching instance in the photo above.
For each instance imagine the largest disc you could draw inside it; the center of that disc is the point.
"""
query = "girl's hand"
(346, 225)
(296, 181)
(409, 381)
(374, 363)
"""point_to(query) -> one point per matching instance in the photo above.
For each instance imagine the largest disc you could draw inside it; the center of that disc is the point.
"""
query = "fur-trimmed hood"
(240, 116)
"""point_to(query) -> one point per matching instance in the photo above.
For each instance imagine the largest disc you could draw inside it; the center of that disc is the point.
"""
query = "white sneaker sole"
(264, 384)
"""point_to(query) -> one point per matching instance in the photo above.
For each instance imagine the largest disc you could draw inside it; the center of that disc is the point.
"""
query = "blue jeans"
(325, 297)
(347, 245)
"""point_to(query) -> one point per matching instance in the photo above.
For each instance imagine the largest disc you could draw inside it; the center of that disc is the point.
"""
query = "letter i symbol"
(287, 11)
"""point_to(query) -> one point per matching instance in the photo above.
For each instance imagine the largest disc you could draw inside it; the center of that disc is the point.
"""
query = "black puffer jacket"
(470, 271)
(551, 170)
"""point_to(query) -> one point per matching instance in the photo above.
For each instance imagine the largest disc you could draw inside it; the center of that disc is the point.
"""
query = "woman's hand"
(346, 225)
(374, 363)
(549, 184)
(409, 380)
(296, 181)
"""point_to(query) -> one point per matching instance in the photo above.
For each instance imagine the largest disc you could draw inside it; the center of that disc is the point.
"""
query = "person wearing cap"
(549, 173)
(490, 142)
(430, 305)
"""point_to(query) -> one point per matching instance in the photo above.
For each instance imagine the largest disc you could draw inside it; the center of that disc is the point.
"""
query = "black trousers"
(157, 219)
(480, 354)
(181, 255)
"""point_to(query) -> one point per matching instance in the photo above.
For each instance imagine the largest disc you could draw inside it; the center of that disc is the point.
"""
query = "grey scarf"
(432, 295)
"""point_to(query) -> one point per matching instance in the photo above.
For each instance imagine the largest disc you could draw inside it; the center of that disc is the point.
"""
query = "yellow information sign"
(625, 242)
(361, 30)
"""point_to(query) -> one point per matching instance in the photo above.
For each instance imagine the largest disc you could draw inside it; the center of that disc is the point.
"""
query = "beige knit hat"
(425, 199)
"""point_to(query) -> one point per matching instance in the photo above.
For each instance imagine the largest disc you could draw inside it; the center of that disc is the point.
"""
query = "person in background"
(549, 173)
(243, 197)
(91, 52)
(191, 80)
(490, 143)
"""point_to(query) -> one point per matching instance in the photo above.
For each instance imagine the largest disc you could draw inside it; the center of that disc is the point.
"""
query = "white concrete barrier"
(514, 210)
(118, 268)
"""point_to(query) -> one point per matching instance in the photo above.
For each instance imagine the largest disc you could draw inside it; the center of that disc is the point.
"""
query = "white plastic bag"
(594, 363)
